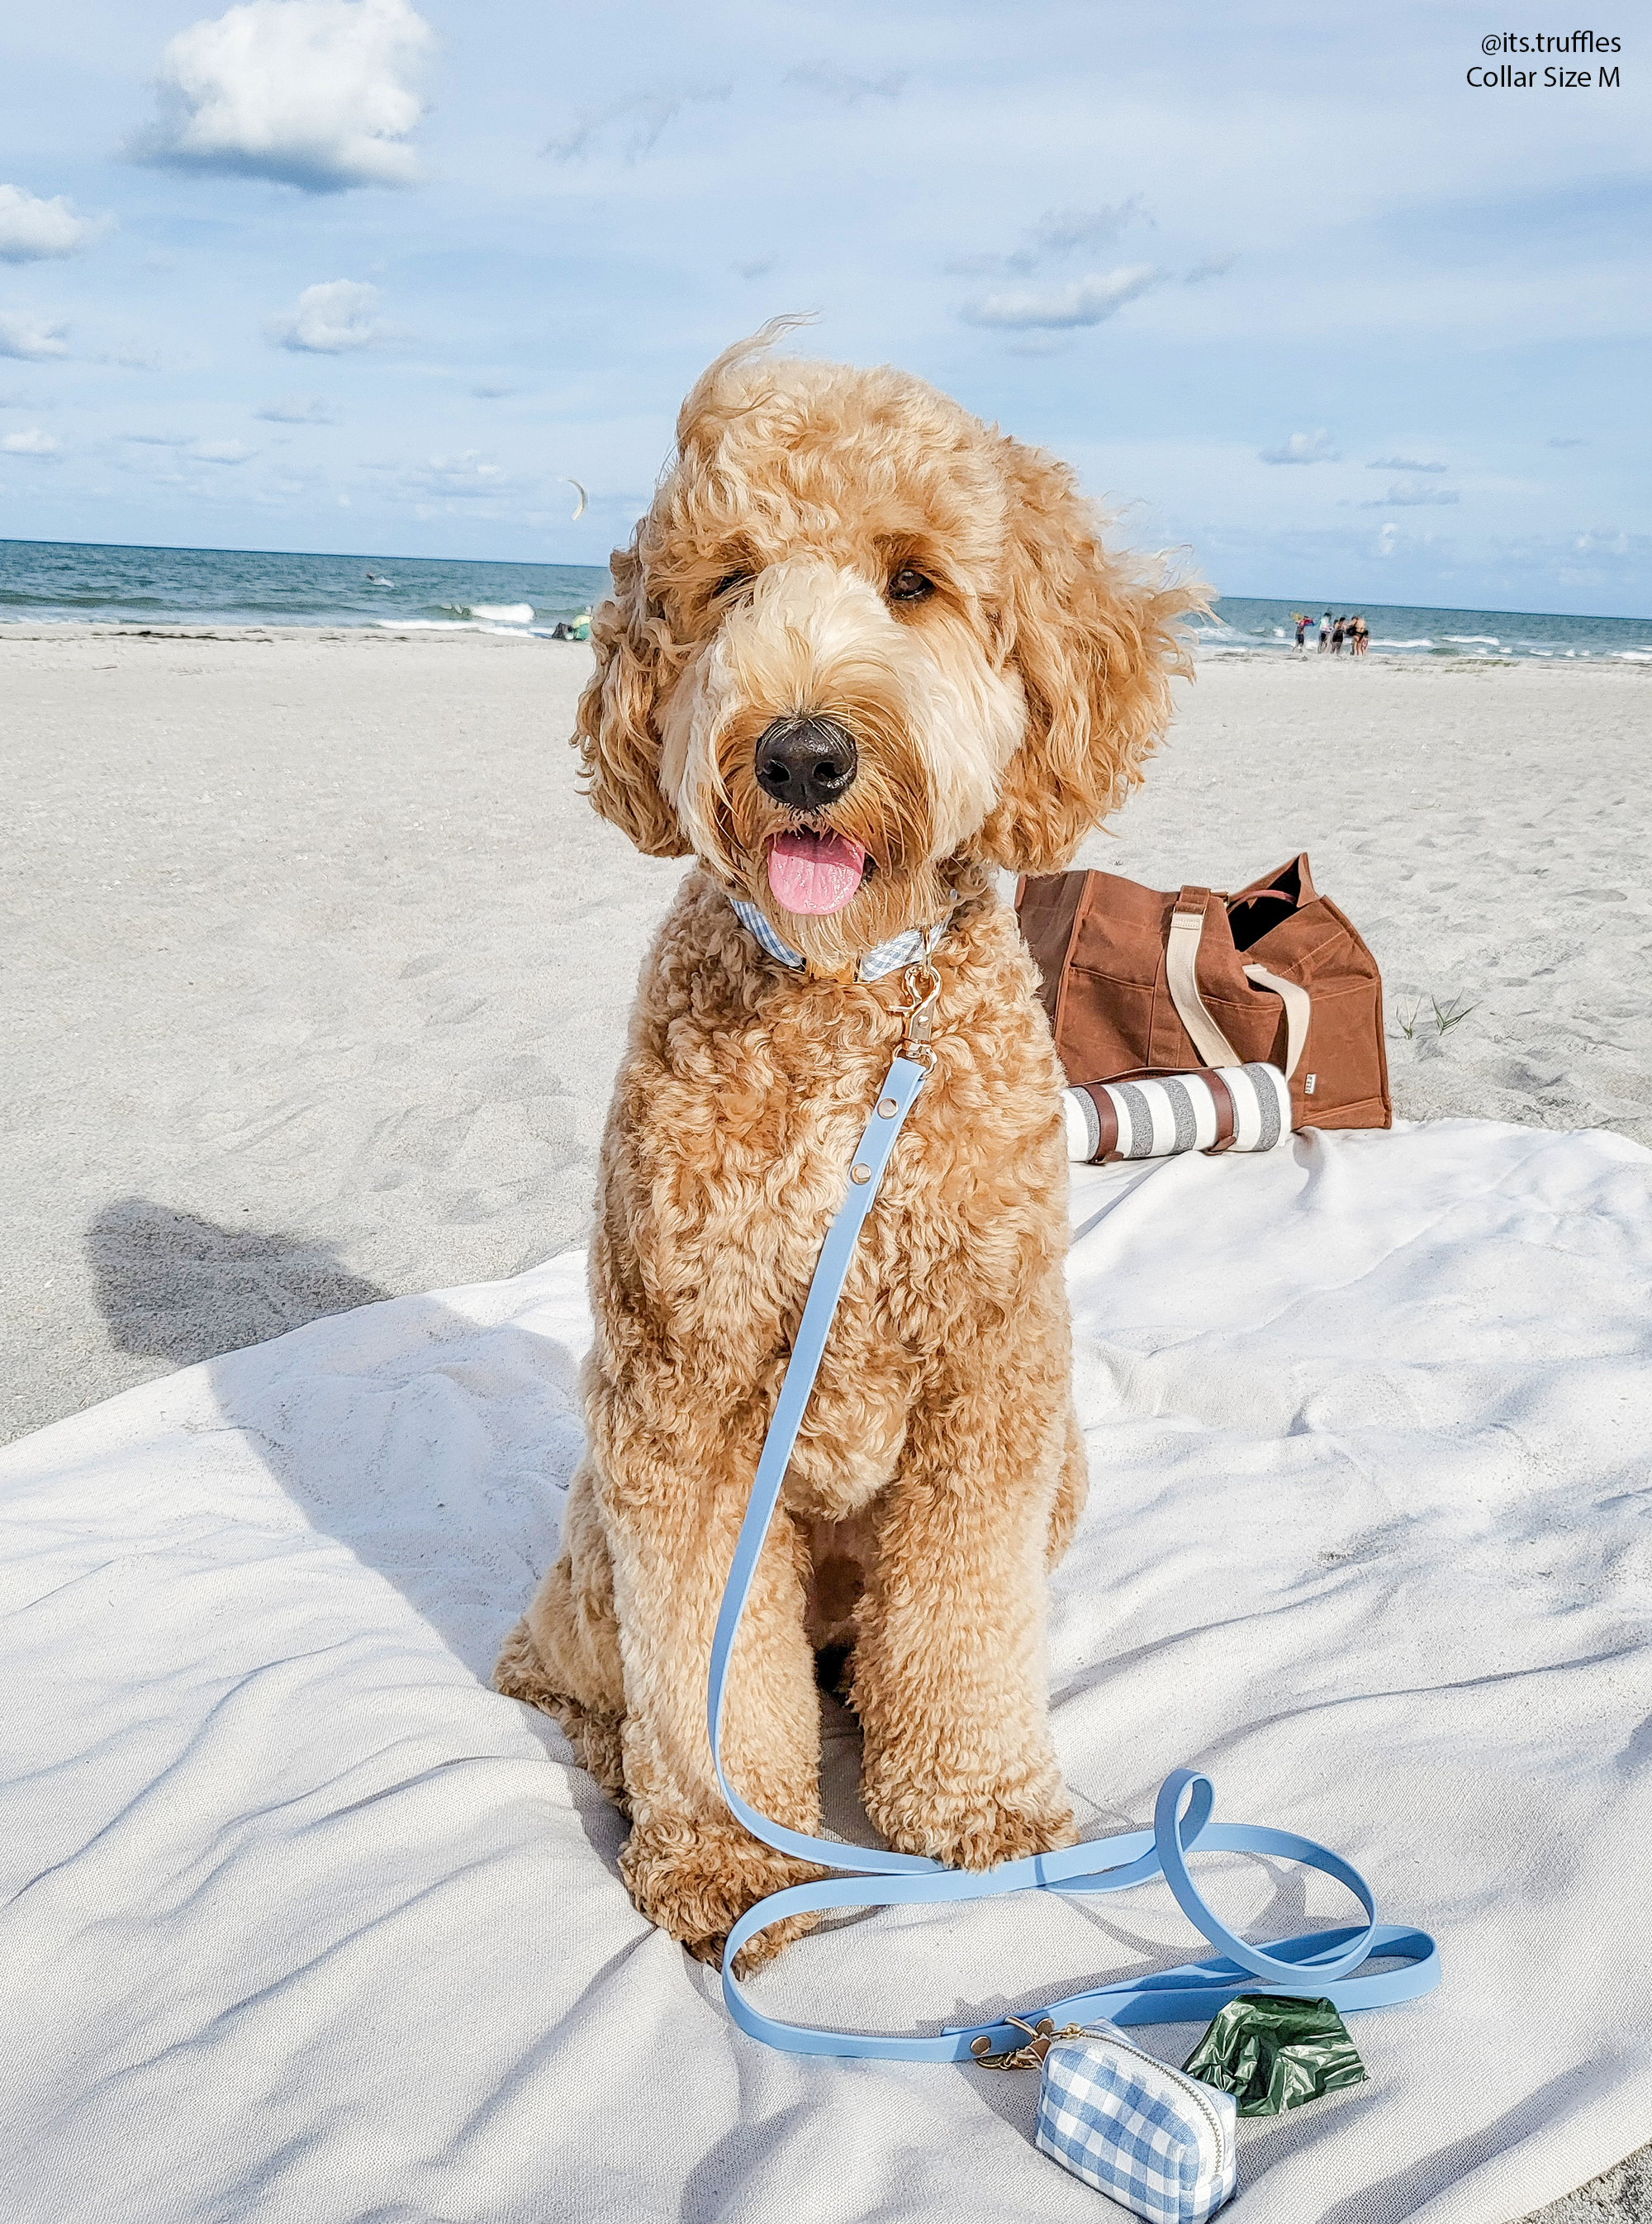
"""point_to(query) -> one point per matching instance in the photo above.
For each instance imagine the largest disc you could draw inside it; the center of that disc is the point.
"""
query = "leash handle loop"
(1326, 1964)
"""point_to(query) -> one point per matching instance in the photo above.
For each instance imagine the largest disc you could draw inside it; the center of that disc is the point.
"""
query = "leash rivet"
(860, 1173)
(888, 1108)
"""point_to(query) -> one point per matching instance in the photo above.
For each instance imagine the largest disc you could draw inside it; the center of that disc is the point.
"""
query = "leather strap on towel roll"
(1226, 1115)
(1106, 1140)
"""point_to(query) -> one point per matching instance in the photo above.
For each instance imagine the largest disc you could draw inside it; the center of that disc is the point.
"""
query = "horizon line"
(552, 564)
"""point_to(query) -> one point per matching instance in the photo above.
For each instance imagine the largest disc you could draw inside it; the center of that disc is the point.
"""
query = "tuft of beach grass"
(1446, 1016)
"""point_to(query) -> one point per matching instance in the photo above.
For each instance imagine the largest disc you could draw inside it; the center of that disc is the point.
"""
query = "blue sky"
(359, 275)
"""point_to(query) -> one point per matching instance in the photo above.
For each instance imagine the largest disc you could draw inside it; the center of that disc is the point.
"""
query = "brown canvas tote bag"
(1138, 982)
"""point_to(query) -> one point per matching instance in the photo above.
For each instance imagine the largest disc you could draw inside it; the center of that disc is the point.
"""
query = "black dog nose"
(806, 763)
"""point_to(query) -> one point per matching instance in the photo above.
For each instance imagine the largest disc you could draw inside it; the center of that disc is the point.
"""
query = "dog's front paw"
(697, 1878)
(979, 1831)
(1003, 1831)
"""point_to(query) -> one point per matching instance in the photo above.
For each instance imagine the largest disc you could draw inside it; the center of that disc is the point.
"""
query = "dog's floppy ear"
(615, 733)
(1095, 649)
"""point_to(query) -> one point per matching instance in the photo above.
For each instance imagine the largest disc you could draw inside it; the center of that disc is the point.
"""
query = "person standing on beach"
(1301, 619)
(1325, 633)
(1361, 635)
(1336, 637)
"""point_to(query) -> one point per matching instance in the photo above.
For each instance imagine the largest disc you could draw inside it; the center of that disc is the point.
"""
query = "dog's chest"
(732, 1155)
(769, 1225)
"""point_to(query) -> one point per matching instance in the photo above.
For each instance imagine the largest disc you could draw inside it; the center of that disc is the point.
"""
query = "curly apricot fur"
(998, 719)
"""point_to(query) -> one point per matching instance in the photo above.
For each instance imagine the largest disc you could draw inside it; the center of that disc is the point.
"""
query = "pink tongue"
(814, 874)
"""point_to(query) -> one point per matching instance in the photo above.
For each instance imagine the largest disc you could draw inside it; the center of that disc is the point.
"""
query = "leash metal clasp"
(923, 985)
(1029, 2057)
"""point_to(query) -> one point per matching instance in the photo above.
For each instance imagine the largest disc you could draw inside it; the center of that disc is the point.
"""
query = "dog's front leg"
(690, 1868)
(950, 1664)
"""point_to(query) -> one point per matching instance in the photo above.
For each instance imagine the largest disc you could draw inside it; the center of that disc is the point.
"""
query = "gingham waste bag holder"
(1150, 2138)
(1155, 2139)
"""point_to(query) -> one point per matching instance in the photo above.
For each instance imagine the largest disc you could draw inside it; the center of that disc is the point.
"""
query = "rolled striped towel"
(1237, 1108)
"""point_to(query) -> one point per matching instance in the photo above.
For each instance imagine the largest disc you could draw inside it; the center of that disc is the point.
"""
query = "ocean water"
(55, 583)
(1241, 626)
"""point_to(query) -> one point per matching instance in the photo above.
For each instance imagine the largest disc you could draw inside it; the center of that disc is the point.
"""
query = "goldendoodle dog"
(861, 650)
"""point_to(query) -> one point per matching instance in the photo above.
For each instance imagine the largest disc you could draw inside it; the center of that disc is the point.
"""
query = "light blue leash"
(1319, 1963)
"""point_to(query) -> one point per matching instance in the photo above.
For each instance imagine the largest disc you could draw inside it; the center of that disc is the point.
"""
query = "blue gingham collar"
(906, 948)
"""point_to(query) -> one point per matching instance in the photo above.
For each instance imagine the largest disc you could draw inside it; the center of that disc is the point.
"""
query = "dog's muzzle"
(806, 763)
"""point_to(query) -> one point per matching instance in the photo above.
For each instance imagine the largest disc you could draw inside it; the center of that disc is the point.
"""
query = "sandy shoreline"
(318, 965)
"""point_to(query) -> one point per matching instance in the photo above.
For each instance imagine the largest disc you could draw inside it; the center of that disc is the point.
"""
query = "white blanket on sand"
(302, 1923)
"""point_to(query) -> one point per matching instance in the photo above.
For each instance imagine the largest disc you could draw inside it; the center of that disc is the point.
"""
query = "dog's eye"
(728, 582)
(909, 586)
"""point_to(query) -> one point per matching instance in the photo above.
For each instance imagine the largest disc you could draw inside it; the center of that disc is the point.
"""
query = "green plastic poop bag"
(1271, 2053)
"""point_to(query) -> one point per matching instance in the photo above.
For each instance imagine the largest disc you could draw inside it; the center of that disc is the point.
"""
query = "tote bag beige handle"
(1297, 1005)
(1181, 975)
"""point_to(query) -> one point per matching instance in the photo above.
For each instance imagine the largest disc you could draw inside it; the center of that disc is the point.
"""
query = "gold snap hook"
(923, 985)
(1029, 2057)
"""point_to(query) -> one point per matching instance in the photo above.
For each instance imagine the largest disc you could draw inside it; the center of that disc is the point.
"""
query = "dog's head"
(860, 636)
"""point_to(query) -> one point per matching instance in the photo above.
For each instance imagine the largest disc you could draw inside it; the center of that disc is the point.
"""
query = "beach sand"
(317, 964)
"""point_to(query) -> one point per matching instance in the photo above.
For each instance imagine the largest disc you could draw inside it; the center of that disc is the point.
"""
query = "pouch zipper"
(1179, 2078)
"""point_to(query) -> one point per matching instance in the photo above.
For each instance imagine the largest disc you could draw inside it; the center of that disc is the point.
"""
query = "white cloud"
(295, 410)
(492, 393)
(1402, 463)
(1213, 265)
(166, 457)
(758, 267)
(1086, 301)
(645, 114)
(1058, 233)
(844, 87)
(313, 93)
(31, 230)
(1303, 448)
(467, 475)
(32, 443)
(1409, 494)
(1063, 231)
(32, 338)
(332, 318)
(1569, 440)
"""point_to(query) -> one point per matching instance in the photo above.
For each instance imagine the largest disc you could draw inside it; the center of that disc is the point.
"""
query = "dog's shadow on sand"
(171, 1286)
(435, 1447)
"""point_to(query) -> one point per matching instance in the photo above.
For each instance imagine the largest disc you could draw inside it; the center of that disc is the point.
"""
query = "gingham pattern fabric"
(904, 948)
(1145, 2135)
